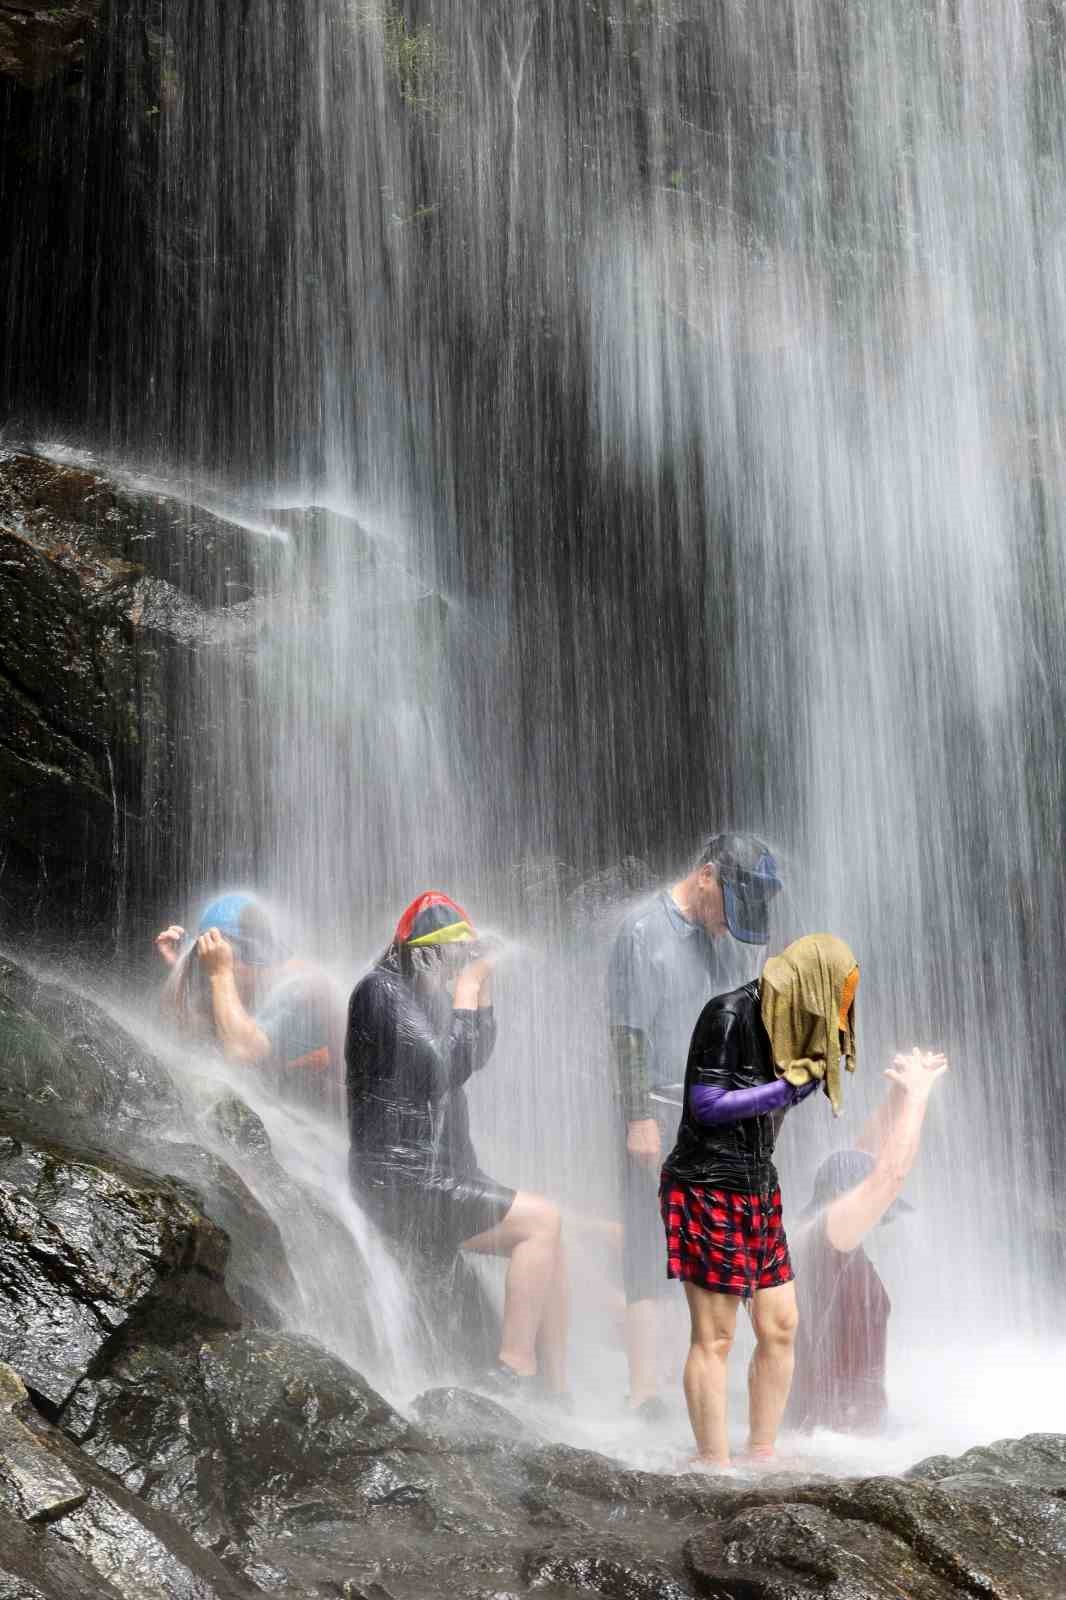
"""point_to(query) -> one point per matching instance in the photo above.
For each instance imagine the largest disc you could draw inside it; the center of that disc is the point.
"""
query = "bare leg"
(714, 1321)
(555, 1327)
(530, 1235)
(641, 1332)
(774, 1318)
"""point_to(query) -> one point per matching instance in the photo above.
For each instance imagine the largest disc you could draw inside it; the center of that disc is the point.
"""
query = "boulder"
(258, 1275)
(72, 1072)
(86, 1243)
(67, 1528)
(109, 598)
(878, 1538)
(229, 1430)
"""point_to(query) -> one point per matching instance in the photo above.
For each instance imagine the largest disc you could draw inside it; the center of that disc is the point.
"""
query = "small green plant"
(415, 58)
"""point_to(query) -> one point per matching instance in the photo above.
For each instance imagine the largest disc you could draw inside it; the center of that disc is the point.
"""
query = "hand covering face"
(807, 999)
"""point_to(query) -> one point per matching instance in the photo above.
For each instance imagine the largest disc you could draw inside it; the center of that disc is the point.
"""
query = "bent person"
(664, 967)
(238, 987)
(720, 1200)
(844, 1306)
(419, 1024)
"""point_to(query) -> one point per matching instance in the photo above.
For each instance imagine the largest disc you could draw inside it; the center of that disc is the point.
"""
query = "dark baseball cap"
(750, 879)
(844, 1170)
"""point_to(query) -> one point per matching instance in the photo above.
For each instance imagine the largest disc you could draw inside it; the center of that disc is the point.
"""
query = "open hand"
(215, 953)
(168, 943)
(916, 1073)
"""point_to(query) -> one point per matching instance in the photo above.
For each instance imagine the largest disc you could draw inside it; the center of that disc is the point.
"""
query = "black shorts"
(437, 1217)
(642, 1241)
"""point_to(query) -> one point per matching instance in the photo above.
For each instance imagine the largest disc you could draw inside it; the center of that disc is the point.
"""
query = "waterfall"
(658, 408)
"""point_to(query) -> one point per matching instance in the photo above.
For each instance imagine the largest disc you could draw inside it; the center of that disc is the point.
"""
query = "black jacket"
(729, 1050)
(407, 1113)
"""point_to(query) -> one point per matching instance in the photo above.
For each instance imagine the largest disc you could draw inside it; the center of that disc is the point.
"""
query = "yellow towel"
(807, 998)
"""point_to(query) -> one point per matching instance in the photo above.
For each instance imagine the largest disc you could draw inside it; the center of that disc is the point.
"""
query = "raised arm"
(241, 1039)
(472, 1034)
(852, 1215)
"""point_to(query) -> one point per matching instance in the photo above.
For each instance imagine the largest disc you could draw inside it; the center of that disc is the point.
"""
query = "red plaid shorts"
(728, 1243)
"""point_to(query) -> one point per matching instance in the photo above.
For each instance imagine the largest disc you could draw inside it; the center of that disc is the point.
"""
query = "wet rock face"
(109, 600)
(39, 40)
(87, 1243)
(70, 1071)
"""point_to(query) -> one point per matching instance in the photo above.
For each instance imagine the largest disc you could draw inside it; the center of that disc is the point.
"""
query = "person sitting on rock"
(719, 1194)
(236, 985)
(844, 1308)
(419, 1024)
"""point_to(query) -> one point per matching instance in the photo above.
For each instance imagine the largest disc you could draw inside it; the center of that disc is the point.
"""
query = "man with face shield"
(420, 1023)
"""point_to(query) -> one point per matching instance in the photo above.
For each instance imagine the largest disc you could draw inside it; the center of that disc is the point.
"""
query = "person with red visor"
(420, 1023)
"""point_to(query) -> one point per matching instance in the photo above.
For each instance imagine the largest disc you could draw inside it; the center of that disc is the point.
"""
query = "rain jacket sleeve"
(469, 1044)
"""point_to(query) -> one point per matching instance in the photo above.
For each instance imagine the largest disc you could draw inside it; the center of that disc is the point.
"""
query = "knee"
(547, 1221)
(715, 1345)
(778, 1332)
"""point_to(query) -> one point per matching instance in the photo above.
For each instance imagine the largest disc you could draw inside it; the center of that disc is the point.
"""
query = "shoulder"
(735, 1005)
(377, 989)
(638, 918)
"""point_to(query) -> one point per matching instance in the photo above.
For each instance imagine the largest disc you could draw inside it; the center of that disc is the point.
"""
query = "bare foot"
(759, 1460)
(713, 1465)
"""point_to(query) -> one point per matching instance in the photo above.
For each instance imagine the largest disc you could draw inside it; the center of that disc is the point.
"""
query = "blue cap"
(243, 923)
(749, 877)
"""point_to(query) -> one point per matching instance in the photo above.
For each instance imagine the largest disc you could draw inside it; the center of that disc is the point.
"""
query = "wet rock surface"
(87, 1242)
(109, 596)
(39, 40)
(70, 1072)
(162, 1434)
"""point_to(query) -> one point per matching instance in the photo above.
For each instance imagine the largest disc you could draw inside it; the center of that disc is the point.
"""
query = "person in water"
(420, 1023)
(844, 1308)
(665, 965)
(236, 985)
(720, 1200)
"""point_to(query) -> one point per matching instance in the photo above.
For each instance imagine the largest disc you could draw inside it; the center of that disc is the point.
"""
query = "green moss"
(415, 57)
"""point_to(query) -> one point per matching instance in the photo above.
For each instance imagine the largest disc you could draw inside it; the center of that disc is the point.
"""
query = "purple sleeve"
(712, 1106)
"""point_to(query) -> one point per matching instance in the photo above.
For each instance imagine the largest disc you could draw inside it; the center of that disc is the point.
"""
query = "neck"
(681, 895)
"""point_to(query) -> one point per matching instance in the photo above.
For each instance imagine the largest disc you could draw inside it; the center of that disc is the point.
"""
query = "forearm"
(713, 1106)
(238, 1034)
(878, 1126)
(900, 1147)
(629, 1048)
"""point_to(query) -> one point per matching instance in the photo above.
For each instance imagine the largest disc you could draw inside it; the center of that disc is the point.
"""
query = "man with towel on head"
(756, 1052)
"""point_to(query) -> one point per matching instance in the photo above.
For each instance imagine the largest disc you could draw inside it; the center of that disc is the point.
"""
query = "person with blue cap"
(839, 1379)
(238, 985)
(666, 963)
